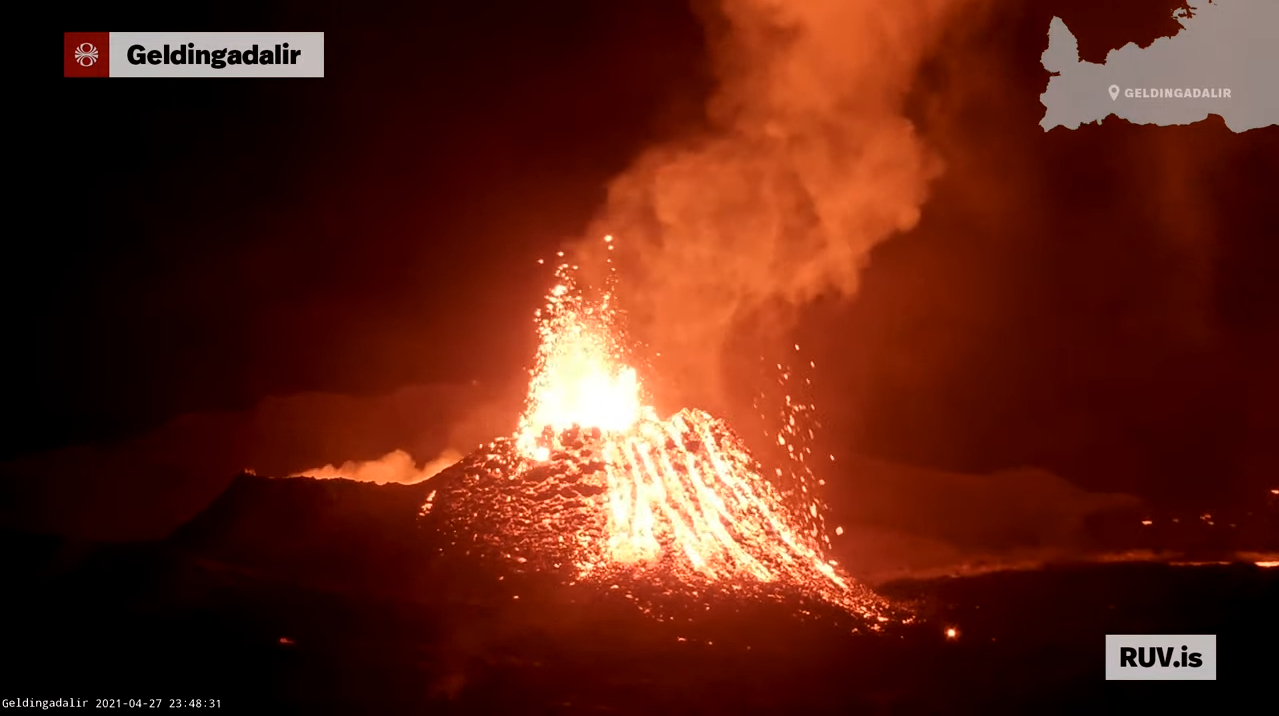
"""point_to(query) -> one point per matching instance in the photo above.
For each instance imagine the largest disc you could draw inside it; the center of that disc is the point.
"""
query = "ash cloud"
(808, 163)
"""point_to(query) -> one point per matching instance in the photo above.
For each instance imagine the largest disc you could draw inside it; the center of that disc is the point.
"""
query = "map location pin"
(1114, 92)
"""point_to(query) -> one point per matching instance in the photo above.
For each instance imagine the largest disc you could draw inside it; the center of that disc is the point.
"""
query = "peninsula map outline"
(1222, 62)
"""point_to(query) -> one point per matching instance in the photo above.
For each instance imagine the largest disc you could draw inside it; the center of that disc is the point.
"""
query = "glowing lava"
(680, 498)
(579, 379)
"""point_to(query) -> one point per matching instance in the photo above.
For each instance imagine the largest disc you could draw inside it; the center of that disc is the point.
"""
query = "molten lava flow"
(682, 496)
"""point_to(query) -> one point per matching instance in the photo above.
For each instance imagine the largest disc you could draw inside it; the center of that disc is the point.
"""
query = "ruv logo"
(1161, 657)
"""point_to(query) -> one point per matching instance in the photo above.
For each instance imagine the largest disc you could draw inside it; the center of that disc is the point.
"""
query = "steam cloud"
(396, 466)
(809, 163)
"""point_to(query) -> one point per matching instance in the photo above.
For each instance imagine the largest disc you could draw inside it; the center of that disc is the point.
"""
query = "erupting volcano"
(597, 489)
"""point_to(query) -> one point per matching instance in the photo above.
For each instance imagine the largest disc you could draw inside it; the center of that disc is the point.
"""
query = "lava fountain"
(595, 486)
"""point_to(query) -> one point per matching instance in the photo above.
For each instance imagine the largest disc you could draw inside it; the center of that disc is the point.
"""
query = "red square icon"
(86, 54)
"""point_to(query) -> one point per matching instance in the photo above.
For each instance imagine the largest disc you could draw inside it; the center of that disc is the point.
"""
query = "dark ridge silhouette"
(322, 533)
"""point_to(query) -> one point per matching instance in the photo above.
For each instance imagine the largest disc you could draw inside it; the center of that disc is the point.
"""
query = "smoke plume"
(396, 467)
(808, 163)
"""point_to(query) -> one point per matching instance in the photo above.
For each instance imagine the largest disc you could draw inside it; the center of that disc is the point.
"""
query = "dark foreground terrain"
(323, 596)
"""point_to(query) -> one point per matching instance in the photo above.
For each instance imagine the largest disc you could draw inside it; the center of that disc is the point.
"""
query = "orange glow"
(952, 633)
(681, 495)
(1268, 564)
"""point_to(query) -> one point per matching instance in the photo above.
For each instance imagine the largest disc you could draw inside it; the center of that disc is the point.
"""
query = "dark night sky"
(1099, 303)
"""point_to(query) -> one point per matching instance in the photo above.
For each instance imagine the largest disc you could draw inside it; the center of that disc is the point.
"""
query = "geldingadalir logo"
(193, 54)
(86, 54)
(1185, 657)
